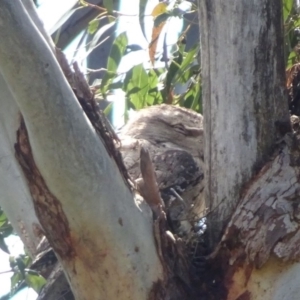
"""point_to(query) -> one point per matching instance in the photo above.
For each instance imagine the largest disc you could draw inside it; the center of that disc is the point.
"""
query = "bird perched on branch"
(173, 136)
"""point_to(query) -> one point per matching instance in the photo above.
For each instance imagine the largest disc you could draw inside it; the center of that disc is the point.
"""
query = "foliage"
(291, 18)
(23, 276)
(5, 231)
(175, 80)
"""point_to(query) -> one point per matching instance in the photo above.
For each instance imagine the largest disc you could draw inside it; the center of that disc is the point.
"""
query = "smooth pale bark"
(114, 259)
(243, 96)
(15, 198)
(21, 212)
(31, 10)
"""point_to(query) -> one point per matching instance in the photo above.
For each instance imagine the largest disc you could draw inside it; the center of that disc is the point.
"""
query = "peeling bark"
(267, 218)
(260, 247)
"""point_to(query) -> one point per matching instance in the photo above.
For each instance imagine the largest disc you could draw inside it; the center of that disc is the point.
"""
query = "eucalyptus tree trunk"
(251, 153)
(243, 96)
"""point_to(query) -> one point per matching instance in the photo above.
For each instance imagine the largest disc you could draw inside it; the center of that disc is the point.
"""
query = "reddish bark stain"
(47, 207)
(245, 296)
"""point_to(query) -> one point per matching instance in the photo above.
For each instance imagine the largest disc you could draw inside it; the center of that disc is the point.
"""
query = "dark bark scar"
(47, 207)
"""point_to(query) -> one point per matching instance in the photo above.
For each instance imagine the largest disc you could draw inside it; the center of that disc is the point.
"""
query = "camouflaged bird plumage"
(174, 138)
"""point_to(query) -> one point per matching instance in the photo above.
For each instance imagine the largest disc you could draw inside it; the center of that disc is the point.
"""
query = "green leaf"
(160, 19)
(174, 67)
(192, 97)
(291, 59)
(152, 79)
(197, 101)
(26, 260)
(12, 262)
(287, 8)
(3, 218)
(109, 5)
(34, 280)
(96, 40)
(117, 51)
(107, 81)
(142, 6)
(296, 22)
(154, 95)
(136, 86)
(187, 66)
(108, 109)
(3, 245)
(15, 280)
(93, 26)
(21, 265)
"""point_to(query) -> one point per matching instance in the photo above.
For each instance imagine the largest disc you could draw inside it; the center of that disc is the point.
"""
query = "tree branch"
(243, 94)
(78, 171)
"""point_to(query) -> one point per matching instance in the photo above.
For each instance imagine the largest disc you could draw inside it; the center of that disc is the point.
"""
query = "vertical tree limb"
(243, 93)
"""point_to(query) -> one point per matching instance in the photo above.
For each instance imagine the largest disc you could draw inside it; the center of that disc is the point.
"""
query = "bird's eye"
(188, 131)
(179, 128)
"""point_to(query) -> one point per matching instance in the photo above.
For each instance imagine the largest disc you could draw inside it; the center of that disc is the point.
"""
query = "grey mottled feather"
(174, 138)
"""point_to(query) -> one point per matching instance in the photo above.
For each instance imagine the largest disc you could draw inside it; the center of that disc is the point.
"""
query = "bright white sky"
(50, 12)
(16, 248)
